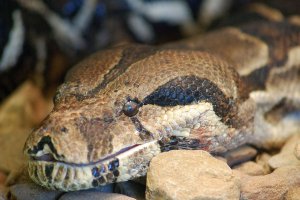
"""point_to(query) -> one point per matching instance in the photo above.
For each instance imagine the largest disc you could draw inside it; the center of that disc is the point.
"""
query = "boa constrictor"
(122, 106)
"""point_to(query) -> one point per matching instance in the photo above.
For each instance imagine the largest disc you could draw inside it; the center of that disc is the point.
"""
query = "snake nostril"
(35, 151)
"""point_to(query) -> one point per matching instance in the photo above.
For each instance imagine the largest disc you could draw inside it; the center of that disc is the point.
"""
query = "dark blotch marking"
(116, 163)
(186, 90)
(101, 180)
(40, 145)
(48, 171)
(257, 78)
(130, 55)
(280, 38)
(116, 173)
(95, 172)
(176, 143)
(113, 165)
(143, 132)
(95, 183)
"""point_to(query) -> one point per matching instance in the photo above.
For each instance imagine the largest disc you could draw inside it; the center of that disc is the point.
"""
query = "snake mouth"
(128, 163)
(49, 157)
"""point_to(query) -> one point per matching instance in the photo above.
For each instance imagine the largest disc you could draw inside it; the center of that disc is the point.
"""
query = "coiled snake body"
(120, 107)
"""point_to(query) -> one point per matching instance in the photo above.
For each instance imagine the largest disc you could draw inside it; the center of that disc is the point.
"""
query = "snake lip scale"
(122, 106)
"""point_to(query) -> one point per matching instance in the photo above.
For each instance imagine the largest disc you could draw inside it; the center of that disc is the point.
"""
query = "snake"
(122, 106)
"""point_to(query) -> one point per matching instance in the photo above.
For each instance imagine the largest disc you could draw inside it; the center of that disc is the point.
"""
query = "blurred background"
(41, 39)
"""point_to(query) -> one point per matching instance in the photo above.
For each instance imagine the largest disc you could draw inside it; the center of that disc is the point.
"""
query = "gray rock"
(286, 157)
(31, 191)
(184, 174)
(106, 189)
(2, 196)
(240, 155)
(131, 189)
(93, 195)
(263, 160)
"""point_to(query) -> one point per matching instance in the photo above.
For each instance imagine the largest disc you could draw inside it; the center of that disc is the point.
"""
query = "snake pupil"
(130, 108)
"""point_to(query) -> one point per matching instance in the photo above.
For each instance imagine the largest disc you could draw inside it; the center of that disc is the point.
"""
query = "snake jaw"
(126, 164)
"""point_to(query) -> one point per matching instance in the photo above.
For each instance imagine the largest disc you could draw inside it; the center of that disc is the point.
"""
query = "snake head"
(114, 113)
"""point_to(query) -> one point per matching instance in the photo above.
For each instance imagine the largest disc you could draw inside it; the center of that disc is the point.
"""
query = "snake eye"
(130, 108)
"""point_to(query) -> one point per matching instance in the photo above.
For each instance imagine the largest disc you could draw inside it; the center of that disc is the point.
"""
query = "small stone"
(250, 168)
(131, 189)
(272, 186)
(293, 194)
(31, 191)
(184, 174)
(263, 160)
(93, 195)
(286, 156)
(240, 155)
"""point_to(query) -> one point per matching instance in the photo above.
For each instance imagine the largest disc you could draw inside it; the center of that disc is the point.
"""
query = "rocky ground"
(245, 173)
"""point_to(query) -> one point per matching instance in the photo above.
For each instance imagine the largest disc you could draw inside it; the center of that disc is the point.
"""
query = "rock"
(184, 174)
(286, 156)
(32, 191)
(293, 194)
(3, 193)
(93, 195)
(131, 189)
(2, 196)
(263, 160)
(240, 155)
(297, 150)
(23, 110)
(273, 186)
(106, 188)
(251, 168)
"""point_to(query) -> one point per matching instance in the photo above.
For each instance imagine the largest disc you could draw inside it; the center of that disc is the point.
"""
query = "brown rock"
(297, 150)
(293, 194)
(251, 168)
(18, 115)
(263, 160)
(240, 155)
(184, 174)
(286, 156)
(273, 186)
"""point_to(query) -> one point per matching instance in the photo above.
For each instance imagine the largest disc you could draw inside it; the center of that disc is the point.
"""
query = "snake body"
(122, 106)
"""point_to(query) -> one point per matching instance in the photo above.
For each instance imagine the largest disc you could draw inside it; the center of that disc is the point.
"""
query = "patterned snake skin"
(120, 107)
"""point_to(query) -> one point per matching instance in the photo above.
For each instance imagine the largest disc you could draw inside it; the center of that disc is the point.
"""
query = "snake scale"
(120, 107)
